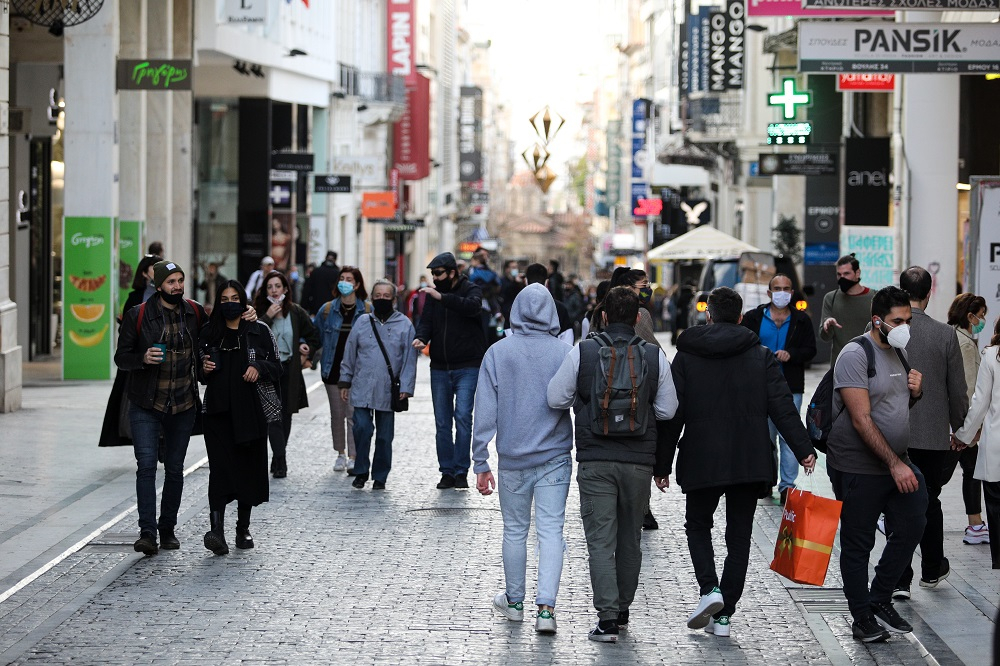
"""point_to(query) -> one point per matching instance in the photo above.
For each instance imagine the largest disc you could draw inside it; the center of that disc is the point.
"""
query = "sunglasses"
(439, 272)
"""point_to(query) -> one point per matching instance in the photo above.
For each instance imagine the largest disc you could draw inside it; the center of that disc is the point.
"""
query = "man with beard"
(451, 324)
(847, 309)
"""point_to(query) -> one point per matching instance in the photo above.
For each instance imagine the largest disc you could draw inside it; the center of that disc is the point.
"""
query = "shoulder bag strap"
(385, 354)
(138, 321)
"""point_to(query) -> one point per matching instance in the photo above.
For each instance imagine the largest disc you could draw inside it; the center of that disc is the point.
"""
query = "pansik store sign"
(910, 48)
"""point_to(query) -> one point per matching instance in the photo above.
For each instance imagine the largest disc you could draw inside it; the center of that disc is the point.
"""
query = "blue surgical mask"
(979, 326)
(345, 288)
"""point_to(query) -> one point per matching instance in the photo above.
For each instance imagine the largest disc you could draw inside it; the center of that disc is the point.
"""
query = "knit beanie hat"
(162, 270)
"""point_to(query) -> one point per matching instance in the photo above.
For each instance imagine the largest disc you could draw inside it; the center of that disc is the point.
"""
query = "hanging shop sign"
(757, 8)
(411, 145)
(867, 165)
(292, 161)
(900, 48)
(698, 26)
(902, 5)
(56, 13)
(788, 99)
(648, 207)
(798, 164)
(365, 171)
(378, 206)
(789, 134)
(402, 39)
(470, 134)
(332, 184)
(866, 82)
(734, 27)
(153, 74)
(245, 12)
(89, 267)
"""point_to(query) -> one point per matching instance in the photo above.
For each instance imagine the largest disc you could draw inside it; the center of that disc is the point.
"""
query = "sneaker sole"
(881, 638)
(975, 541)
(545, 630)
(929, 585)
(512, 617)
(716, 632)
(888, 627)
(701, 620)
(607, 638)
(901, 595)
(148, 552)
(167, 546)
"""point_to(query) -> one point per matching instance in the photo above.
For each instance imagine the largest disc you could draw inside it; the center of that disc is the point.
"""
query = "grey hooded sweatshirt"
(510, 397)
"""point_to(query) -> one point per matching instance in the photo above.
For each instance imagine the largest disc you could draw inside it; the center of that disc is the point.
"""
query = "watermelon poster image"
(89, 275)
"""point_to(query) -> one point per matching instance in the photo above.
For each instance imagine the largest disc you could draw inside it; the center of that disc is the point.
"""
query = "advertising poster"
(875, 249)
(867, 167)
(986, 225)
(283, 239)
(130, 251)
(88, 297)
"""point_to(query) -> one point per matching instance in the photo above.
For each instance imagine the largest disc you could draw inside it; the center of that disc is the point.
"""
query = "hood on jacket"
(717, 340)
(534, 311)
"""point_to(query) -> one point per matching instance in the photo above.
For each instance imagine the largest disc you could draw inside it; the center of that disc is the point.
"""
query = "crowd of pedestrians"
(912, 402)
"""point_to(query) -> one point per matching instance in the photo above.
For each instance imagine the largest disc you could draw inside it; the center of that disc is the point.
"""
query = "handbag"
(267, 393)
(398, 404)
(805, 537)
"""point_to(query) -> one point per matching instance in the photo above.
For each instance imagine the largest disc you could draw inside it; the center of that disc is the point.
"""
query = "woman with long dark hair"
(968, 315)
(142, 283)
(985, 413)
(239, 366)
(297, 339)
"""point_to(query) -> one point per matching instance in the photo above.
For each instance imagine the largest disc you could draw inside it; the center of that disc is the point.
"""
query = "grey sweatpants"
(614, 497)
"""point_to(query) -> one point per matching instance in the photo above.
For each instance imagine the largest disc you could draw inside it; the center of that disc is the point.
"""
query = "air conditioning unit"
(19, 120)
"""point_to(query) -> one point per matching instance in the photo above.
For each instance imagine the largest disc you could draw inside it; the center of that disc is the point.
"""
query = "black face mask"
(443, 285)
(172, 299)
(231, 310)
(846, 285)
(382, 308)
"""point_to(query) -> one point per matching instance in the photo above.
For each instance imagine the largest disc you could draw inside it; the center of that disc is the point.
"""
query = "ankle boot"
(243, 538)
(215, 538)
(278, 467)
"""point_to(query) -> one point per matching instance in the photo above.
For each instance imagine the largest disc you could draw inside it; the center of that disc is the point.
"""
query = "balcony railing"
(372, 86)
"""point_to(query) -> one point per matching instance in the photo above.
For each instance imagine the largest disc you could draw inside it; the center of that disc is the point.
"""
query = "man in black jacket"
(451, 321)
(789, 334)
(319, 284)
(728, 386)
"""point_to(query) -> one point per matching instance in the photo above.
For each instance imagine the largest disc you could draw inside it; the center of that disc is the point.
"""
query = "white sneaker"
(350, 465)
(340, 464)
(513, 612)
(976, 534)
(709, 605)
(545, 623)
(718, 627)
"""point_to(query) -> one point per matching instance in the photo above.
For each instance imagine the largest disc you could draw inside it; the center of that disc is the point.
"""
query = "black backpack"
(619, 395)
(819, 413)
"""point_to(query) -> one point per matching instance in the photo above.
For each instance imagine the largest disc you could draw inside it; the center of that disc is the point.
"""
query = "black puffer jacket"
(728, 385)
(454, 327)
(800, 344)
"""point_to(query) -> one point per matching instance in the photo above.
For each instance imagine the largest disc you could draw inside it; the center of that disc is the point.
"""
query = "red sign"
(411, 143)
(378, 205)
(794, 8)
(648, 207)
(402, 39)
(866, 82)
(394, 185)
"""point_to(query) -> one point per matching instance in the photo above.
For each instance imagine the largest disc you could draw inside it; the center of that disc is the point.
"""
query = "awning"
(700, 243)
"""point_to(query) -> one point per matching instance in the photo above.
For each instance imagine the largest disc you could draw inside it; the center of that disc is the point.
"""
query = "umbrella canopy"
(700, 243)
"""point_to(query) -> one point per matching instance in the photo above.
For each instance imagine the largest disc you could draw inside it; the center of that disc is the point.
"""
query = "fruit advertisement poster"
(88, 297)
(130, 251)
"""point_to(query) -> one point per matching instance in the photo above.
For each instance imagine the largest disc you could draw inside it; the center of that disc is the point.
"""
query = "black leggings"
(972, 489)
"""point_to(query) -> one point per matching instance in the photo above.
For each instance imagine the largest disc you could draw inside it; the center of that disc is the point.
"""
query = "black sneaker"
(901, 592)
(168, 541)
(868, 630)
(606, 631)
(933, 582)
(887, 616)
(378, 485)
(447, 481)
(146, 544)
(622, 621)
(461, 482)
(359, 480)
(649, 521)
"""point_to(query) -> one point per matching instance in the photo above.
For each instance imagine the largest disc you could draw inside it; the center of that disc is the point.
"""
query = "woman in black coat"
(239, 361)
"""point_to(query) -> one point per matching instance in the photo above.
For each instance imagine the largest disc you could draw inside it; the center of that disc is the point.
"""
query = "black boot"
(215, 538)
(243, 538)
(278, 467)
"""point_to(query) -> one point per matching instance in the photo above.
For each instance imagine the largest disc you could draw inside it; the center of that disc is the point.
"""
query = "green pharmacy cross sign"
(788, 99)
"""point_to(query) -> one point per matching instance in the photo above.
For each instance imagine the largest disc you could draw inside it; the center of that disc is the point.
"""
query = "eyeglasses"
(439, 272)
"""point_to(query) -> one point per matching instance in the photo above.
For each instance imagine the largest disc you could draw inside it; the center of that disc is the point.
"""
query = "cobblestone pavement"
(405, 575)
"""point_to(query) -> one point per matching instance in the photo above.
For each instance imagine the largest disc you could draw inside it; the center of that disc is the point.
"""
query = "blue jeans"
(381, 425)
(147, 425)
(789, 465)
(549, 485)
(453, 393)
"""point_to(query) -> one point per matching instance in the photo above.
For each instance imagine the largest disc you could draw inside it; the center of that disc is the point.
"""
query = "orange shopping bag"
(805, 538)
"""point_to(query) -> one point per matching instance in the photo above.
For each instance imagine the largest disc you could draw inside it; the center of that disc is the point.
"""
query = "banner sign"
(698, 50)
(985, 204)
(332, 184)
(130, 251)
(867, 165)
(902, 5)
(875, 250)
(798, 164)
(245, 12)
(470, 134)
(735, 40)
(866, 82)
(89, 272)
(639, 154)
(402, 39)
(900, 48)
(614, 183)
(154, 74)
(292, 161)
(795, 8)
(411, 144)
(718, 35)
(378, 205)
(684, 59)
(818, 254)
(366, 171)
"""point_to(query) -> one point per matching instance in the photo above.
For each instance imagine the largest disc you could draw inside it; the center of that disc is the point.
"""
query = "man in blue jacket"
(533, 444)
(451, 323)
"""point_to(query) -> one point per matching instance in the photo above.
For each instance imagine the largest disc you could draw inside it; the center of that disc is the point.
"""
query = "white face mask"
(781, 299)
(276, 300)
(899, 336)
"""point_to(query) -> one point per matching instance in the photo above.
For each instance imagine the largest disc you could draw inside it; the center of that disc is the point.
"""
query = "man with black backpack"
(618, 386)
(729, 386)
(869, 467)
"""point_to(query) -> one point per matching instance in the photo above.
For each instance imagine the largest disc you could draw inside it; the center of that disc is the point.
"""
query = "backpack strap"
(197, 312)
(606, 399)
(138, 321)
(869, 347)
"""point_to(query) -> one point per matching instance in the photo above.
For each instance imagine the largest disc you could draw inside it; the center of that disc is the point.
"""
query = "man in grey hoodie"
(533, 443)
